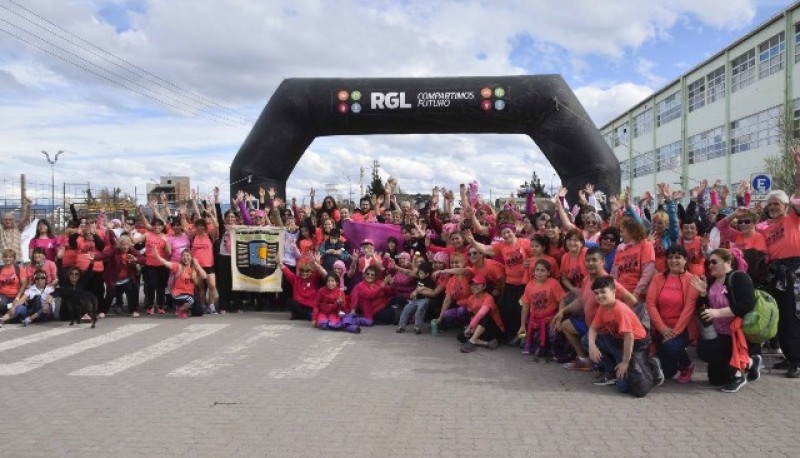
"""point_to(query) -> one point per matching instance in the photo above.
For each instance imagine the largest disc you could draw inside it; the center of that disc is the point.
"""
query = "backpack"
(761, 324)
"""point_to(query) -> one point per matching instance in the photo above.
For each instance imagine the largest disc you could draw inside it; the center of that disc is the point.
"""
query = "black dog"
(82, 303)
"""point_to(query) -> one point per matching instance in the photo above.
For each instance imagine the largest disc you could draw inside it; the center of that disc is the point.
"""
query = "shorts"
(579, 323)
(209, 270)
(183, 299)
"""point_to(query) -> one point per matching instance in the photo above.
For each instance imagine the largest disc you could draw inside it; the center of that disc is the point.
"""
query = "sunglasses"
(713, 262)
(40, 278)
(745, 221)
(609, 239)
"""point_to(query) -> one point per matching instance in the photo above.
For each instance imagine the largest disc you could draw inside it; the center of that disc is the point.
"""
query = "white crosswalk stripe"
(38, 337)
(315, 359)
(228, 356)
(191, 334)
(37, 361)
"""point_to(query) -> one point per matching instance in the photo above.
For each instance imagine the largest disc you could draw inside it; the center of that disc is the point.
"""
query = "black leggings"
(155, 284)
(510, 309)
(97, 286)
(717, 353)
(131, 292)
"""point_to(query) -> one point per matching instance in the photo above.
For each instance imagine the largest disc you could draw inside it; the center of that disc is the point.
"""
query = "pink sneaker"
(686, 375)
(183, 315)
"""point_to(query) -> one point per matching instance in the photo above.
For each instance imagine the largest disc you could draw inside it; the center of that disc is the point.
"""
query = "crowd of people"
(621, 286)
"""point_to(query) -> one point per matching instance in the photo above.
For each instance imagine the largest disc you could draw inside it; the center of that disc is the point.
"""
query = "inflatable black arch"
(542, 107)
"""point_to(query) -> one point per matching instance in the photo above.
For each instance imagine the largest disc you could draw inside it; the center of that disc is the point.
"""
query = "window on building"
(757, 130)
(643, 123)
(706, 145)
(743, 70)
(697, 94)
(796, 118)
(625, 169)
(621, 135)
(770, 55)
(668, 157)
(669, 109)
(797, 42)
(715, 85)
(608, 137)
(643, 164)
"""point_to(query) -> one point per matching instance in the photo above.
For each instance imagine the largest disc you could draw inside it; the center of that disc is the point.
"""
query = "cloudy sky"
(133, 90)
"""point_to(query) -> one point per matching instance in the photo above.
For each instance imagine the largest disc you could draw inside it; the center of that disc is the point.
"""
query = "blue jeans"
(417, 307)
(611, 348)
(672, 353)
(20, 312)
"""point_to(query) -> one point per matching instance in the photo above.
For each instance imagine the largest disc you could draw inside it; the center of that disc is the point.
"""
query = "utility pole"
(361, 179)
(52, 163)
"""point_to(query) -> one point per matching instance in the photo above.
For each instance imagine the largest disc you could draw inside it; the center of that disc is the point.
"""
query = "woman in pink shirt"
(671, 302)
(44, 239)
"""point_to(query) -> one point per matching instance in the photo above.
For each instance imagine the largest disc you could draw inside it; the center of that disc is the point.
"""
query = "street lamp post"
(552, 180)
(52, 163)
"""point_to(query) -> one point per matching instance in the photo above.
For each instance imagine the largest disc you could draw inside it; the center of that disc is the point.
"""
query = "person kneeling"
(485, 327)
(619, 343)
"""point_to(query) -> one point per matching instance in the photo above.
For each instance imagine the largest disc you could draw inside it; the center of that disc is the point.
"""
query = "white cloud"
(238, 51)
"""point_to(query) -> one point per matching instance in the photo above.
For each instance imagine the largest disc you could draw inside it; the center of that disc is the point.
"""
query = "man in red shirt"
(619, 342)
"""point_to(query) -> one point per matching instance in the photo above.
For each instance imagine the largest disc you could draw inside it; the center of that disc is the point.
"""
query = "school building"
(720, 119)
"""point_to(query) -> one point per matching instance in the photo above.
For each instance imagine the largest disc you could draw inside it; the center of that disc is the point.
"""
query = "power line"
(140, 72)
(176, 107)
(178, 104)
(154, 78)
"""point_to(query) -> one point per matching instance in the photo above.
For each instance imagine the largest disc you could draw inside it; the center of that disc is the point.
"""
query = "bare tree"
(781, 165)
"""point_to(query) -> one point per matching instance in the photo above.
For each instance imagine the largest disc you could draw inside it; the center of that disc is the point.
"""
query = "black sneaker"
(461, 337)
(417, 330)
(468, 347)
(782, 365)
(492, 344)
(794, 371)
(658, 373)
(736, 384)
(400, 329)
(754, 372)
(604, 380)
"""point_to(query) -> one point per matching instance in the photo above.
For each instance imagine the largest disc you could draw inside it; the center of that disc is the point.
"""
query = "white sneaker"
(26, 321)
(101, 315)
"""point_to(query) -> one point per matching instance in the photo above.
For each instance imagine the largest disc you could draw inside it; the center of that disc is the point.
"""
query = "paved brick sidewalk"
(259, 385)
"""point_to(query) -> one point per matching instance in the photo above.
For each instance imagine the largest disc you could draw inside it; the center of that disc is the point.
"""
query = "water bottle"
(434, 327)
(707, 330)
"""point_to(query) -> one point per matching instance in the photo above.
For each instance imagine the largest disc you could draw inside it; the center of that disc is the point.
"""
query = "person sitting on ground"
(329, 302)
(619, 343)
(419, 299)
(485, 325)
(371, 299)
(37, 302)
(304, 287)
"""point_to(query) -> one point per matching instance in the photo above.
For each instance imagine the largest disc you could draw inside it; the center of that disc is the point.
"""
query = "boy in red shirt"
(619, 343)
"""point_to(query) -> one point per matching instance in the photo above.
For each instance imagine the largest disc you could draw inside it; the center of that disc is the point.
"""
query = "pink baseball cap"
(367, 242)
